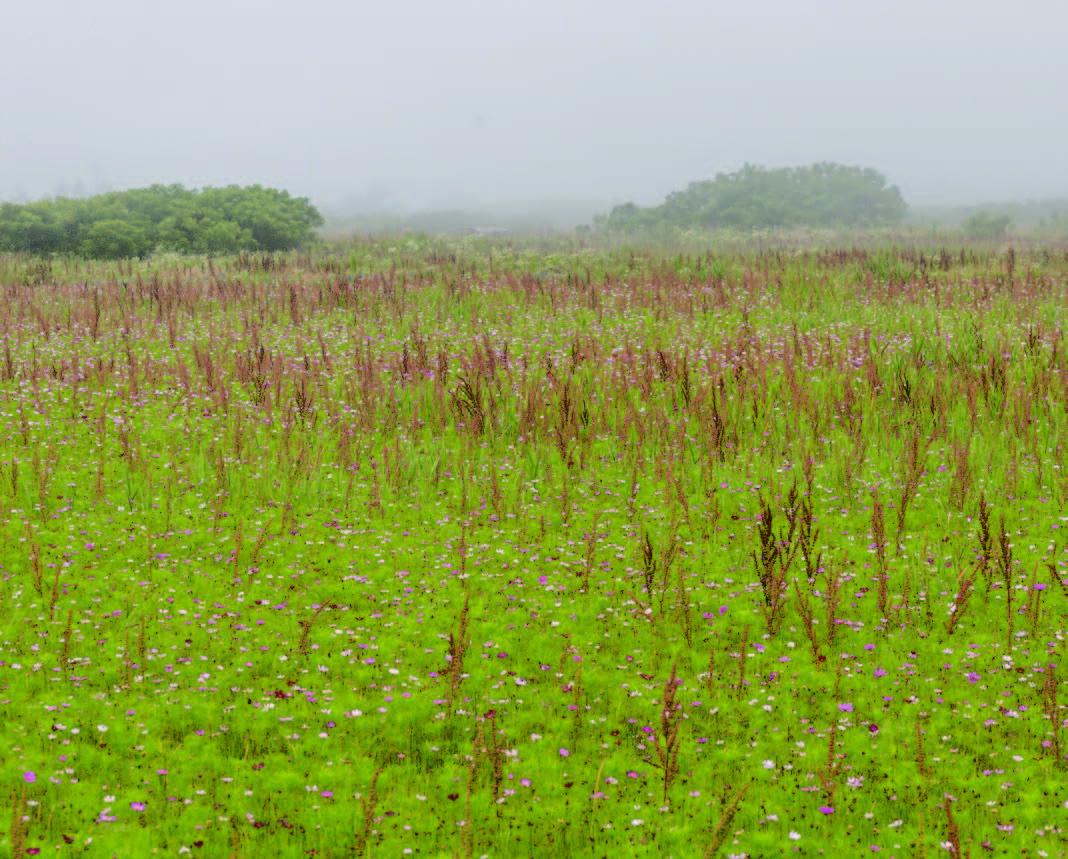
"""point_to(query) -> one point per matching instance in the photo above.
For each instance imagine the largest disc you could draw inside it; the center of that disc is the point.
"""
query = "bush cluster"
(818, 195)
(160, 218)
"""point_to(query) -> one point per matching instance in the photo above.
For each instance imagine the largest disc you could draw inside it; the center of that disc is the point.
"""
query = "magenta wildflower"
(564, 753)
(137, 806)
(826, 809)
(29, 776)
(846, 707)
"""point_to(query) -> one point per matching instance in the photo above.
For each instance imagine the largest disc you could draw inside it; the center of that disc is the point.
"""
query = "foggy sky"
(421, 103)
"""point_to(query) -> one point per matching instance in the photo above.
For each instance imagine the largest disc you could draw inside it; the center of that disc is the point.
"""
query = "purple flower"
(564, 753)
(826, 809)
(845, 707)
(137, 806)
(873, 729)
(973, 677)
(29, 776)
(879, 672)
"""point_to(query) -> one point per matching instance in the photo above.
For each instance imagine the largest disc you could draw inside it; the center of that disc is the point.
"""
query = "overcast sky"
(432, 102)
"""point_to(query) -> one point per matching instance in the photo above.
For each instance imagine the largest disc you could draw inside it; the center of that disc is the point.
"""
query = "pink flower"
(564, 753)
(826, 809)
(137, 806)
(845, 707)
(29, 776)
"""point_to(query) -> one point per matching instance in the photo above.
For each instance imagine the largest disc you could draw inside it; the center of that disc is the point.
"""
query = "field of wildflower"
(472, 548)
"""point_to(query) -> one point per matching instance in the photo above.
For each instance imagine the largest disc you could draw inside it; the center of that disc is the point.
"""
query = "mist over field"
(564, 106)
(551, 429)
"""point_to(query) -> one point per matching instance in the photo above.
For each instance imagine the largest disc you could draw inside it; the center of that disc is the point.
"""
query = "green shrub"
(986, 225)
(162, 217)
(819, 195)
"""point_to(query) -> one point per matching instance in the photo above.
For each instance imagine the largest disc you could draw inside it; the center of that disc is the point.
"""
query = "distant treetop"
(818, 195)
(160, 218)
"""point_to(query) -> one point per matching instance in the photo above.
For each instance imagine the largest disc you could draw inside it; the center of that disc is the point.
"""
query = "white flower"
(637, 821)
(795, 836)
(769, 765)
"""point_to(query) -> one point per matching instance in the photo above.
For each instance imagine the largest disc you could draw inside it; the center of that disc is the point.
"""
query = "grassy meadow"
(481, 548)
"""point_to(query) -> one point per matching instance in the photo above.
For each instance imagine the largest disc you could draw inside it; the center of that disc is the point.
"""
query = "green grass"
(244, 504)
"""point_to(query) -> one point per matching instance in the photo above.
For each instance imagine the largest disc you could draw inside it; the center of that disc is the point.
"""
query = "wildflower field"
(469, 548)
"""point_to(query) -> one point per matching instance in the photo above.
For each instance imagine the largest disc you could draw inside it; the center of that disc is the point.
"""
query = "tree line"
(817, 195)
(138, 222)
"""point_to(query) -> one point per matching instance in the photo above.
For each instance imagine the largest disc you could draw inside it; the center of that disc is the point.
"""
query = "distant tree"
(986, 225)
(819, 195)
(164, 217)
(114, 239)
(29, 228)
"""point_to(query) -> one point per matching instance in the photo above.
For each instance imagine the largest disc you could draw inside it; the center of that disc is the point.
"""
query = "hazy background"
(576, 104)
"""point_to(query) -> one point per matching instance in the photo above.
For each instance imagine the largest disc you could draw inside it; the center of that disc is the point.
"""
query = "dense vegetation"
(459, 549)
(986, 225)
(134, 223)
(819, 195)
